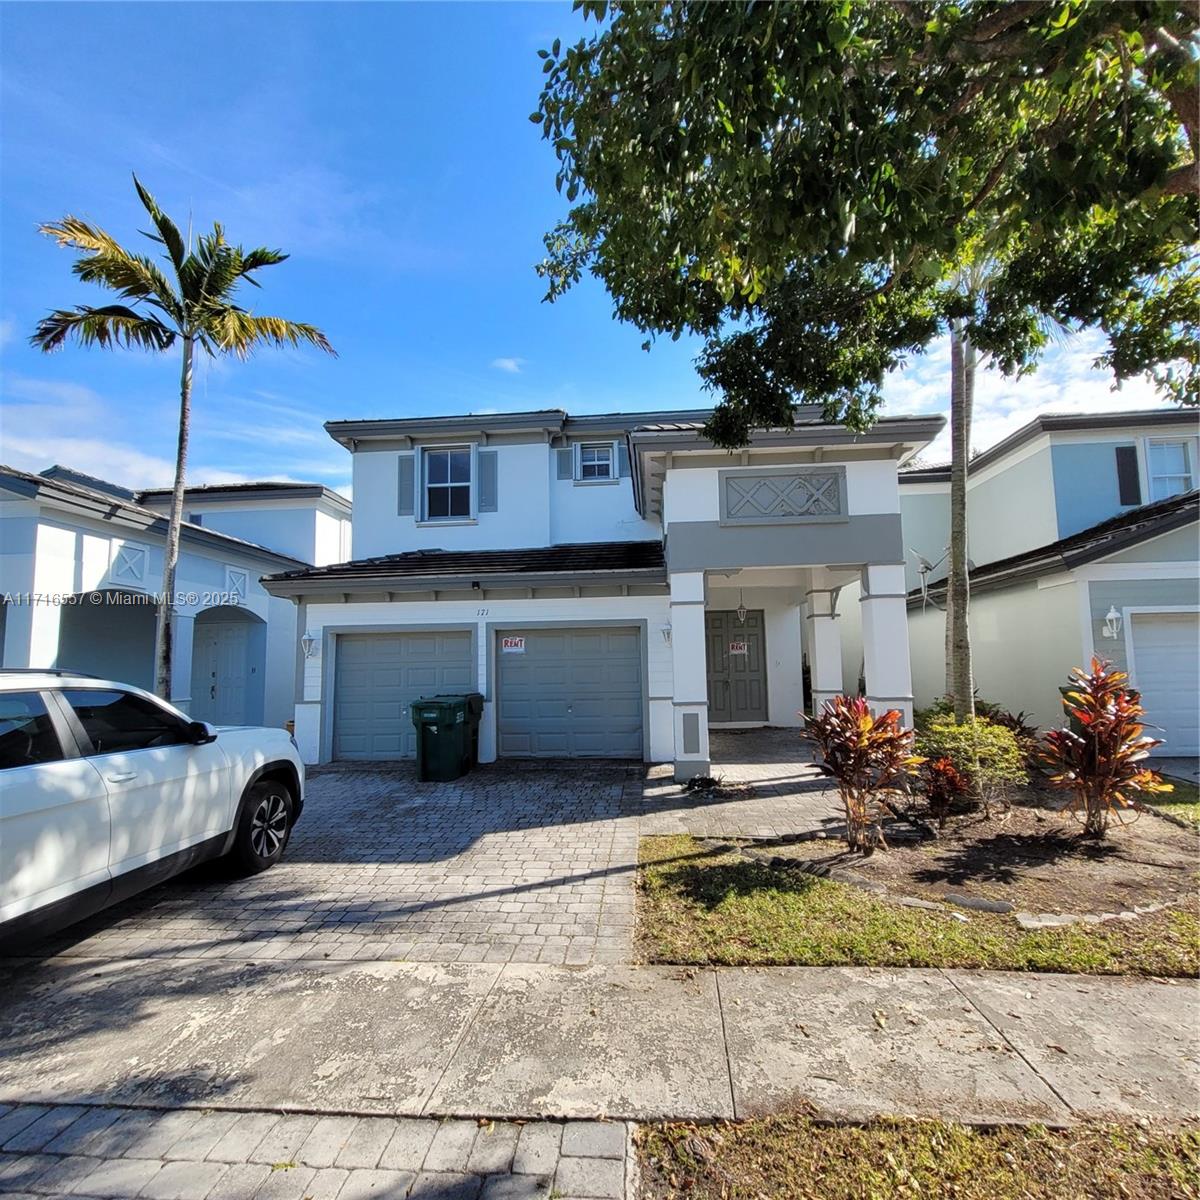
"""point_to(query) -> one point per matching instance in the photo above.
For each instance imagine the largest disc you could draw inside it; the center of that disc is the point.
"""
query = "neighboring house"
(612, 585)
(81, 563)
(1083, 538)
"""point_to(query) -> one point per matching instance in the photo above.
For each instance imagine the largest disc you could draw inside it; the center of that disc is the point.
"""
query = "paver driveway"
(519, 861)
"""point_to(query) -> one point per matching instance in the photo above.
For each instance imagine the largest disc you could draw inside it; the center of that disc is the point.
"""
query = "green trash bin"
(443, 752)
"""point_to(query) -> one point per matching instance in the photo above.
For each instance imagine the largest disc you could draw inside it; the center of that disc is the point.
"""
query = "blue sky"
(387, 147)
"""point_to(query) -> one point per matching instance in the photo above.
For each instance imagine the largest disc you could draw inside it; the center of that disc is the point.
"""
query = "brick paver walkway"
(185, 1154)
(519, 861)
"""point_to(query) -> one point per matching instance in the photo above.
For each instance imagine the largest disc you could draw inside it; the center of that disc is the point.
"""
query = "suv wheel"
(264, 827)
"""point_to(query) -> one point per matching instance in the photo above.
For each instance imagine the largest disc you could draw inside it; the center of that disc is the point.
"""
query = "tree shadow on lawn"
(1004, 857)
(709, 878)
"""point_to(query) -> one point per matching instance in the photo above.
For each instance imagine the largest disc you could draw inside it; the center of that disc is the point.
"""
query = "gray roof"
(107, 506)
(259, 490)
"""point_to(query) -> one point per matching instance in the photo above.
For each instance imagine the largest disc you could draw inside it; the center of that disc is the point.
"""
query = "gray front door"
(569, 693)
(377, 677)
(737, 667)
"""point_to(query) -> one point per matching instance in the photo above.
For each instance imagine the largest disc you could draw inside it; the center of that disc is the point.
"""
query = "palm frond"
(111, 325)
(168, 232)
(132, 276)
(239, 332)
(258, 258)
(74, 233)
(211, 270)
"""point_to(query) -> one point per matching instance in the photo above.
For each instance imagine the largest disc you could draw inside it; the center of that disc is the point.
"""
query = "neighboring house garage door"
(569, 693)
(1166, 667)
(378, 675)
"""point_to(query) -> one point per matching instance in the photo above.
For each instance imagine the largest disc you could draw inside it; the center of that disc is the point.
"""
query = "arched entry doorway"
(109, 633)
(229, 654)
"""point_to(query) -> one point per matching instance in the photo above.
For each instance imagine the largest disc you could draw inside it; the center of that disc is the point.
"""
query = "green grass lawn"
(698, 905)
(1183, 802)
(790, 1157)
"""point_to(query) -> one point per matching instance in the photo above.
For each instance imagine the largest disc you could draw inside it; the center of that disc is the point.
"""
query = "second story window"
(447, 484)
(1170, 467)
(596, 461)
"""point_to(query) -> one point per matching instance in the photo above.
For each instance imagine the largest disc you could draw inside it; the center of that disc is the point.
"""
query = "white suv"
(106, 790)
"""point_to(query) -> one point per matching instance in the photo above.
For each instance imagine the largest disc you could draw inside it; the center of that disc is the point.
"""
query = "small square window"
(596, 462)
(448, 484)
(1170, 469)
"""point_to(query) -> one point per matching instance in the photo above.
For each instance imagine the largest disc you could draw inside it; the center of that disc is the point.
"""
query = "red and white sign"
(512, 645)
(738, 648)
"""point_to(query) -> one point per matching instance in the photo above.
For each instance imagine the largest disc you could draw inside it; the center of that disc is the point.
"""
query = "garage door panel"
(376, 679)
(1166, 670)
(572, 693)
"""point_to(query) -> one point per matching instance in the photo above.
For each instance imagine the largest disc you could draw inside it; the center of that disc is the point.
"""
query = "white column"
(824, 646)
(690, 671)
(885, 639)
(183, 627)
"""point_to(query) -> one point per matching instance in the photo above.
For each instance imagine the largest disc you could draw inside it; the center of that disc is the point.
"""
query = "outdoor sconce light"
(741, 609)
(666, 632)
(308, 643)
(1112, 623)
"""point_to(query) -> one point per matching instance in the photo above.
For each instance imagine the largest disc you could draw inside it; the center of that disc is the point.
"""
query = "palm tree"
(194, 309)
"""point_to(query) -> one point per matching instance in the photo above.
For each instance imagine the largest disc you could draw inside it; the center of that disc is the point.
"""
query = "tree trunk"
(166, 608)
(962, 388)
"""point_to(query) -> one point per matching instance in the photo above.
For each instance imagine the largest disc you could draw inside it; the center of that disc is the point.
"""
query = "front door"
(220, 652)
(737, 668)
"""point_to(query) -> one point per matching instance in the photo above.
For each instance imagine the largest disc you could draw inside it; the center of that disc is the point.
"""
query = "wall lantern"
(308, 643)
(666, 634)
(1112, 623)
(741, 609)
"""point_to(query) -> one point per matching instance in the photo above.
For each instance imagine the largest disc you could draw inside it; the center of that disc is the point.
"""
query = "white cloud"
(1065, 382)
(511, 365)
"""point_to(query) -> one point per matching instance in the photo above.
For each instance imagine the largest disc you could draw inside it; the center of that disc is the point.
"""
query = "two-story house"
(81, 563)
(612, 585)
(1084, 540)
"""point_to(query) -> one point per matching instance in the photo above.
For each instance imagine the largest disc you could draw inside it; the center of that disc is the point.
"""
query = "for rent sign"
(512, 645)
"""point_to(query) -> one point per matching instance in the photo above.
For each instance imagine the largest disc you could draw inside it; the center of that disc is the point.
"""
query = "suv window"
(118, 721)
(26, 732)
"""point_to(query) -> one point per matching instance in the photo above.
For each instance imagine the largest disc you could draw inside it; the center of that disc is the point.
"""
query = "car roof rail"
(46, 671)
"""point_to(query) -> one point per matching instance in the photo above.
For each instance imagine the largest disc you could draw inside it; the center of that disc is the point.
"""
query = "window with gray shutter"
(406, 486)
(1129, 490)
(566, 463)
(487, 481)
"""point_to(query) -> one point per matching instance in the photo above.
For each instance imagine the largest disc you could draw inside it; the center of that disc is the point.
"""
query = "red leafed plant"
(1103, 763)
(870, 757)
(943, 784)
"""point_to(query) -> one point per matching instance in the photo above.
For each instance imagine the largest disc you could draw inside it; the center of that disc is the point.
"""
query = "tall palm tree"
(195, 308)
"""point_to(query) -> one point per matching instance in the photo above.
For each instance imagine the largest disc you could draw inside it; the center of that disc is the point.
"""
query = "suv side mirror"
(199, 733)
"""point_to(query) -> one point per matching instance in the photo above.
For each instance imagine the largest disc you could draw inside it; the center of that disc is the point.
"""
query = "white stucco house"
(81, 567)
(613, 585)
(1083, 531)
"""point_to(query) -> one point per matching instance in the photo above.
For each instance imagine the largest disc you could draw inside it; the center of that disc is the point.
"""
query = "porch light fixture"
(741, 609)
(666, 634)
(1112, 623)
(308, 643)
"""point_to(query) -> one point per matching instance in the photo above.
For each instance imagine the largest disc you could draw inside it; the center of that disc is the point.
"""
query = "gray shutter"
(1128, 488)
(566, 463)
(487, 481)
(622, 460)
(406, 486)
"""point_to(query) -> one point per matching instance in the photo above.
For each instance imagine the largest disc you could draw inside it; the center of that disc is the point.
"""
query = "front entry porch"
(761, 646)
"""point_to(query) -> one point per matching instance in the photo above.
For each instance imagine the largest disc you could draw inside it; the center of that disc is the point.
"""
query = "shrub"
(1026, 733)
(987, 755)
(943, 785)
(870, 757)
(1101, 764)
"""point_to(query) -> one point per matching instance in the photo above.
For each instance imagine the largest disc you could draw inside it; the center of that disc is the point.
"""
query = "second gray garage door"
(377, 677)
(570, 693)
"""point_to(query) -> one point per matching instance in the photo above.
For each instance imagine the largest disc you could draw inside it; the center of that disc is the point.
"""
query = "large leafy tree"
(189, 305)
(819, 189)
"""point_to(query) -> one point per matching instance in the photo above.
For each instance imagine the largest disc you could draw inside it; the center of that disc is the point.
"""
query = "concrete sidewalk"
(529, 1040)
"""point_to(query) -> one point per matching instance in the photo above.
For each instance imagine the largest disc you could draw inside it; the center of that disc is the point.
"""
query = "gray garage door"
(378, 675)
(570, 693)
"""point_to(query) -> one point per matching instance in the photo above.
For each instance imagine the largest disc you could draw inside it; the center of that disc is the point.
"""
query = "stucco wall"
(925, 519)
(1180, 592)
(1085, 484)
(1012, 510)
(1024, 640)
